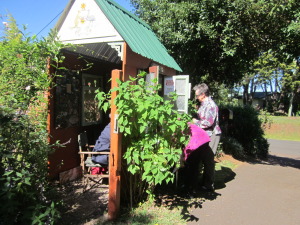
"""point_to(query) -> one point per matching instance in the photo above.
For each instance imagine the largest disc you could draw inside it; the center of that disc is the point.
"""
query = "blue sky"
(37, 14)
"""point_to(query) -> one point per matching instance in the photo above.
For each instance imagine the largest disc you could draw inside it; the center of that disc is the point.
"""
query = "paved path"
(260, 194)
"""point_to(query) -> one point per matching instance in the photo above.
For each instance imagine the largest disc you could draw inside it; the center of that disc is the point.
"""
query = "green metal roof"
(137, 34)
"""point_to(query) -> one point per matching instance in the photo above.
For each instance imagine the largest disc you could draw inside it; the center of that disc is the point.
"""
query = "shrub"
(232, 147)
(245, 131)
(23, 182)
(24, 148)
(153, 131)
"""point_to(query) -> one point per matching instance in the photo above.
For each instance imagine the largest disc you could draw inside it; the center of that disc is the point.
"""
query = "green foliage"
(244, 135)
(266, 119)
(223, 95)
(284, 73)
(232, 147)
(220, 39)
(24, 148)
(154, 132)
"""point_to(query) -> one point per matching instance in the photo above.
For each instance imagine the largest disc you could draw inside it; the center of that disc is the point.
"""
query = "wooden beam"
(115, 156)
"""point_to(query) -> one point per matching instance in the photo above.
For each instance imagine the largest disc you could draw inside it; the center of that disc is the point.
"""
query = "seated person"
(102, 144)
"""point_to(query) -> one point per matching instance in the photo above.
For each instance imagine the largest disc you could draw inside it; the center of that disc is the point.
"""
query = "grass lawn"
(284, 128)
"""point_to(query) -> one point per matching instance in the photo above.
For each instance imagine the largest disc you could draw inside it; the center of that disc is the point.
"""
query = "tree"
(273, 74)
(219, 40)
(291, 82)
(24, 147)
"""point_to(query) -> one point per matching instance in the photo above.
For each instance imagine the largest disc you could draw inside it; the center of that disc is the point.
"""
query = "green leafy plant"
(244, 134)
(154, 132)
(24, 147)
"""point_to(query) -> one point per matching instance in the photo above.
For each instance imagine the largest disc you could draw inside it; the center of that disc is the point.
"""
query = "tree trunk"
(291, 99)
(266, 95)
(277, 88)
(271, 86)
(245, 94)
(252, 91)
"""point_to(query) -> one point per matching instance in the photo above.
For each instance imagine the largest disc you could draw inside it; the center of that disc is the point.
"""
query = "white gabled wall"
(86, 23)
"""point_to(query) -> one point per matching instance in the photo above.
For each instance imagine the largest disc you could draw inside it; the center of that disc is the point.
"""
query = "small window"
(90, 111)
(179, 84)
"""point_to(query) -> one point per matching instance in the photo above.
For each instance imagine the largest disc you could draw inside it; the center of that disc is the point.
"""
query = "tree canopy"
(219, 40)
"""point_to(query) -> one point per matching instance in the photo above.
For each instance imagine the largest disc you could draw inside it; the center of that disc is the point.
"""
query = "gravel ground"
(83, 207)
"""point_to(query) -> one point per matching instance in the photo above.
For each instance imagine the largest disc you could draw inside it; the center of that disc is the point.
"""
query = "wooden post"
(115, 156)
(50, 100)
(155, 71)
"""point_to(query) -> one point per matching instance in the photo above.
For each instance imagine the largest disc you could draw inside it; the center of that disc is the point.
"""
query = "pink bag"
(198, 137)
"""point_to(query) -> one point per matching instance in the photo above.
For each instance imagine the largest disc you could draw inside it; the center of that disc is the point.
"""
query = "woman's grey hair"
(201, 89)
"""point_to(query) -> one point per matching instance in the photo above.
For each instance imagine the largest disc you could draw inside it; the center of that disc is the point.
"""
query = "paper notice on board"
(168, 85)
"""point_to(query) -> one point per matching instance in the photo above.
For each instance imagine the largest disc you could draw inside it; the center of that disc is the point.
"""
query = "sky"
(38, 15)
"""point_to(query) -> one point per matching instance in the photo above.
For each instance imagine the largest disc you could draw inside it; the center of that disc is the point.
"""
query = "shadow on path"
(276, 160)
(173, 197)
(185, 200)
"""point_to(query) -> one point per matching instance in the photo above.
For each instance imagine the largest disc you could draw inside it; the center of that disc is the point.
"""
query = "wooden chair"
(86, 163)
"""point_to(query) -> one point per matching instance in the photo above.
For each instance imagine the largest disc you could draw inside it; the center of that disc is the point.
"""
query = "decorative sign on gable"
(86, 23)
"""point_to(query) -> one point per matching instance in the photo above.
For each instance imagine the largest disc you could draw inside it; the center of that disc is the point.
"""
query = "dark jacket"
(102, 144)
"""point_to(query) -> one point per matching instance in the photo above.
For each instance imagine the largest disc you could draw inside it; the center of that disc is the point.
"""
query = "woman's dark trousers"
(205, 155)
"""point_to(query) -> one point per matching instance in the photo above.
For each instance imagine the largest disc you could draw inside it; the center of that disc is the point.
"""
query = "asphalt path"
(261, 193)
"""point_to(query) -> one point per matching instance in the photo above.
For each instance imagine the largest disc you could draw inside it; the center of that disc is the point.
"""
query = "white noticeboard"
(169, 85)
